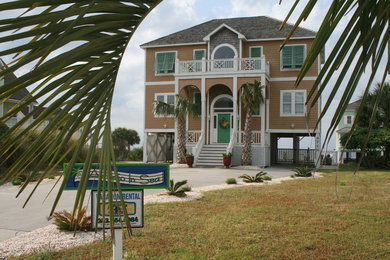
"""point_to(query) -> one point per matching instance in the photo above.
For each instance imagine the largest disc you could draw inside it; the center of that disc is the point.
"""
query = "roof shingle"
(258, 27)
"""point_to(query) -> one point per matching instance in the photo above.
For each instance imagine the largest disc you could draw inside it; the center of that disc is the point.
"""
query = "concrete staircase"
(211, 155)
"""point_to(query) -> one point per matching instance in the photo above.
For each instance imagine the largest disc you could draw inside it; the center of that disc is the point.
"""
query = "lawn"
(298, 219)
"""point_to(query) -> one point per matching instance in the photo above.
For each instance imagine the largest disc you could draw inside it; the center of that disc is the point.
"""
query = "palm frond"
(75, 49)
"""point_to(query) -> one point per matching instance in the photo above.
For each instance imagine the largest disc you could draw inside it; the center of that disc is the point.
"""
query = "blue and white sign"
(131, 176)
(134, 201)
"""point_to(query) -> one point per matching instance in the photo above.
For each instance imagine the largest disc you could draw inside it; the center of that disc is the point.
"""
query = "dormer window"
(165, 62)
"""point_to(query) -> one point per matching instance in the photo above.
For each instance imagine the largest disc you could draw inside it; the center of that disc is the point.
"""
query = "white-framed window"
(164, 62)
(256, 52)
(168, 98)
(292, 56)
(224, 51)
(292, 102)
(199, 54)
(348, 120)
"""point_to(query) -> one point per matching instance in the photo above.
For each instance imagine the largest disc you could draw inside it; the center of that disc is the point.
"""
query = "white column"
(175, 145)
(235, 97)
(145, 146)
(203, 101)
(262, 112)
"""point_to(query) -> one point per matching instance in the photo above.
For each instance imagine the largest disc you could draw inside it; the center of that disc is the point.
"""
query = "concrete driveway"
(16, 220)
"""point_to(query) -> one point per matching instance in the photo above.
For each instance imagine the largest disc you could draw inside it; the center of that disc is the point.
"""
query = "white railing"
(222, 65)
(193, 136)
(256, 137)
(229, 149)
(198, 148)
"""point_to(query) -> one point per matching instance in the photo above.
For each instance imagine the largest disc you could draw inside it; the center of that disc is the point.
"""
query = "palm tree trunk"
(181, 140)
(246, 158)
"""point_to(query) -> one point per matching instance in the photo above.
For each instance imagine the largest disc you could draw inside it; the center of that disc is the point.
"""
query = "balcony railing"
(259, 65)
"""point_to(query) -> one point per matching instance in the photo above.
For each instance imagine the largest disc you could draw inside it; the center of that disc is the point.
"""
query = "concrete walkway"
(16, 220)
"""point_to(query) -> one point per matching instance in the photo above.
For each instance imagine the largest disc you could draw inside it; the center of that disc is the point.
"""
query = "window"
(257, 113)
(348, 120)
(256, 52)
(224, 52)
(198, 103)
(165, 62)
(292, 102)
(199, 55)
(168, 98)
(292, 56)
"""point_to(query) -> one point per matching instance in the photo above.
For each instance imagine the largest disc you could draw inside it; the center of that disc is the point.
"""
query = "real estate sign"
(131, 176)
(134, 201)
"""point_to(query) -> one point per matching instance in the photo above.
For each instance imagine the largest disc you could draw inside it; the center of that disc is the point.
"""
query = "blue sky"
(174, 15)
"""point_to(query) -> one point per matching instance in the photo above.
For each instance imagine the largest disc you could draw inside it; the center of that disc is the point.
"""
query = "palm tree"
(91, 36)
(251, 97)
(184, 106)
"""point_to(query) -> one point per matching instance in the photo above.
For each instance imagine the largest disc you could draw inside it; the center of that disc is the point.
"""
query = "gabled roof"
(354, 105)
(252, 28)
(10, 77)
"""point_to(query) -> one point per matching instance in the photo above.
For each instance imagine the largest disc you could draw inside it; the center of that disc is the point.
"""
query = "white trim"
(290, 79)
(224, 45)
(175, 44)
(159, 83)
(164, 74)
(287, 131)
(167, 130)
(281, 57)
(293, 114)
(280, 39)
(207, 38)
(222, 74)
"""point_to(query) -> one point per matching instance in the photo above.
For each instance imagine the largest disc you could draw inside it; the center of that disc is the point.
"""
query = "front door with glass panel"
(224, 128)
(222, 114)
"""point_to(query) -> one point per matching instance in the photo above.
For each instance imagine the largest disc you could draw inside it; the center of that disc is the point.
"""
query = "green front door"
(224, 128)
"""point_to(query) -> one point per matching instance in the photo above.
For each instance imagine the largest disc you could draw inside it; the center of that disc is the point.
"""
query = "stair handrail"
(229, 148)
(198, 148)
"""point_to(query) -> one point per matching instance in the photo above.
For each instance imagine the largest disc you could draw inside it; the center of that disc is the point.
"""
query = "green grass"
(298, 219)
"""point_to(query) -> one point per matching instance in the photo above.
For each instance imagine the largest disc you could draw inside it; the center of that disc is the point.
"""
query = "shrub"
(177, 189)
(137, 154)
(227, 154)
(231, 181)
(17, 182)
(259, 177)
(189, 154)
(51, 177)
(186, 188)
(64, 220)
(303, 171)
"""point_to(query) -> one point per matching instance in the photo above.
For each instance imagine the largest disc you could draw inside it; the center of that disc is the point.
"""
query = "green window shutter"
(255, 52)
(165, 62)
(198, 103)
(287, 56)
(199, 54)
(298, 55)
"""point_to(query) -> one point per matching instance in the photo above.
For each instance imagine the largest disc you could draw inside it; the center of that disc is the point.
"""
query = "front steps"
(211, 155)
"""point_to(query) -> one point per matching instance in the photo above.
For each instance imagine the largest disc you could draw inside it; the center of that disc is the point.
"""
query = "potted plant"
(227, 159)
(189, 159)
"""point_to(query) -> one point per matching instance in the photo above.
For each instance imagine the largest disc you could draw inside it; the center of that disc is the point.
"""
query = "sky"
(175, 15)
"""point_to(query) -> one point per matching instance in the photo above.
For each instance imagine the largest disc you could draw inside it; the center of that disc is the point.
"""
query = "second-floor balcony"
(241, 65)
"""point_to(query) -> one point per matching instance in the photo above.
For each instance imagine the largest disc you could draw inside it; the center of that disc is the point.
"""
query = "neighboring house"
(218, 57)
(10, 103)
(344, 127)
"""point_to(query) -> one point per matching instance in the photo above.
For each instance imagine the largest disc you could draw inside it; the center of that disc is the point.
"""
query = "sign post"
(133, 179)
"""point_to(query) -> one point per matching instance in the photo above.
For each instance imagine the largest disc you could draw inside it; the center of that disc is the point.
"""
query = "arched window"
(224, 52)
